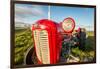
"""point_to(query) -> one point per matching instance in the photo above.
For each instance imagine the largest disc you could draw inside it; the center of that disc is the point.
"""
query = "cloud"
(22, 11)
(28, 10)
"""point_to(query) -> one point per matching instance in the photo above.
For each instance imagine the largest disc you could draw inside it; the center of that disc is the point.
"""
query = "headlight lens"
(68, 24)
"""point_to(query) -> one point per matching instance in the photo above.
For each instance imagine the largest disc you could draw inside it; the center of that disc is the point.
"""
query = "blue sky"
(28, 13)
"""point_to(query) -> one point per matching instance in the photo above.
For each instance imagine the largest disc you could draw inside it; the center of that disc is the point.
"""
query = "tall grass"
(23, 40)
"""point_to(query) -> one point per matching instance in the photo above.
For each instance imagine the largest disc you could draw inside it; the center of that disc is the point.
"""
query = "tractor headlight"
(68, 25)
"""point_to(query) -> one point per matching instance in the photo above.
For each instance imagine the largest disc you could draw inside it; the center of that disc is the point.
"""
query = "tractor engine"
(48, 38)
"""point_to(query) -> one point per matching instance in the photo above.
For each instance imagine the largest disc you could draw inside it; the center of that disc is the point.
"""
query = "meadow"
(23, 40)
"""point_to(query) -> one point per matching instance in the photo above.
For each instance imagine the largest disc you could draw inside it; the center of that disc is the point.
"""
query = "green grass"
(83, 54)
(89, 52)
(23, 40)
(90, 33)
(18, 31)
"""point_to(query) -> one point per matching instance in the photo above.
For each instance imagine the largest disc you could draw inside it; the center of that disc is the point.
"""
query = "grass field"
(89, 54)
(23, 40)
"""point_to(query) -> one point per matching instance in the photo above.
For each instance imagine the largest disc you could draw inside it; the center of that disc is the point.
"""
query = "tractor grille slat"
(42, 45)
(36, 39)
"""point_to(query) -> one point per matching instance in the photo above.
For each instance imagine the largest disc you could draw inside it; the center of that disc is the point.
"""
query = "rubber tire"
(29, 56)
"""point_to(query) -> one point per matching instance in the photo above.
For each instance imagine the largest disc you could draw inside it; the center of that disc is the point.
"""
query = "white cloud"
(22, 11)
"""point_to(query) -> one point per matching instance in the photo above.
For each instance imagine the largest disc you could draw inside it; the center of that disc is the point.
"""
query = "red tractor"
(48, 38)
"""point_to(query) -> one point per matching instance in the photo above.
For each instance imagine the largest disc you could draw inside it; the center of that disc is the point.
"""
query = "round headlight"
(68, 25)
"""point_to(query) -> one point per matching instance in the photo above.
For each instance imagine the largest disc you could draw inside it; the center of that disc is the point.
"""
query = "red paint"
(54, 35)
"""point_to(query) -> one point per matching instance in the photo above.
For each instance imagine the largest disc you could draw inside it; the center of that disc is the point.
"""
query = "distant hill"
(20, 25)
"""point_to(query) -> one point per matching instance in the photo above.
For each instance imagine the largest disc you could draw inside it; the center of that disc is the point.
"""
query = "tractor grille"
(42, 46)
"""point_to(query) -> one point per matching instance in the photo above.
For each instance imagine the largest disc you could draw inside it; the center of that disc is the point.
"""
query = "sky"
(29, 13)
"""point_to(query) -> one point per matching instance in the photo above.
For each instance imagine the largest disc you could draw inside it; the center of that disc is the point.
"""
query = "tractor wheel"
(30, 57)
